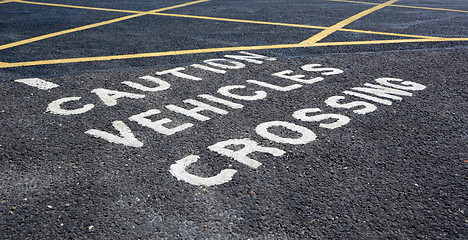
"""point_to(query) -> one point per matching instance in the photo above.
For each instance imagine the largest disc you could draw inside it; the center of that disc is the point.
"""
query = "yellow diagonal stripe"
(95, 25)
(7, 1)
(389, 41)
(79, 7)
(232, 20)
(211, 50)
(291, 25)
(195, 17)
(323, 34)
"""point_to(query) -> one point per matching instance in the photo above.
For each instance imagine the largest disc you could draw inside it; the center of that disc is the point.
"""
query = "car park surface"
(308, 119)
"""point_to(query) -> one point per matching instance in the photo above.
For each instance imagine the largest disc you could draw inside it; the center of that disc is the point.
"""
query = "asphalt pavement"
(221, 119)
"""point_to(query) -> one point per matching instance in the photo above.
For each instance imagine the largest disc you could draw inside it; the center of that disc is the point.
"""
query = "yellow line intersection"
(311, 42)
(35, 39)
(323, 34)
(295, 25)
(227, 20)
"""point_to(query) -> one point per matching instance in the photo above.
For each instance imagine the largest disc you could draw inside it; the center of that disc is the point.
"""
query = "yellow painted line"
(389, 34)
(428, 8)
(240, 20)
(7, 1)
(4, 65)
(231, 20)
(349, 1)
(224, 49)
(79, 7)
(34, 39)
(290, 25)
(323, 34)
(388, 41)
(404, 6)
(144, 55)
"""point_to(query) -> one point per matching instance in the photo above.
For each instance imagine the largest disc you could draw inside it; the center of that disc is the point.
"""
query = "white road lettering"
(252, 57)
(162, 85)
(177, 72)
(365, 96)
(275, 87)
(334, 102)
(341, 120)
(249, 146)
(109, 97)
(298, 78)
(194, 112)
(55, 107)
(37, 83)
(237, 149)
(226, 92)
(232, 64)
(158, 125)
(222, 101)
(178, 170)
(383, 91)
(330, 71)
(307, 135)
(126, 136)
(407, 85)
(208, 68)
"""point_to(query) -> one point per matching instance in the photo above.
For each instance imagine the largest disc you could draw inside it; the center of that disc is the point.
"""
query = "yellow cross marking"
(228, 20)
(35, 39)
(323, 34)
(292, 25)
(157, 12)
(311, 42)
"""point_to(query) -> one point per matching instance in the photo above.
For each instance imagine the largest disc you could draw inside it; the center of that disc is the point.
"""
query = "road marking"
(14, 44)
(291, 25)
(229, 20)
(388, 34)
(126, 136)
(178, 170)
(308, 43)
(141, 13)
(37, 83)
(389, 41)
(404, 6)
(79, 7)
(55, 107)
(143, 55)
(307, 135)
(7, 1)
(223, 49)
(323, 34)
(304, 116)
(387, 91)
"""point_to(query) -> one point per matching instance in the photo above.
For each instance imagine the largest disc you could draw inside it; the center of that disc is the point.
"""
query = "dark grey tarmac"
(398, 171)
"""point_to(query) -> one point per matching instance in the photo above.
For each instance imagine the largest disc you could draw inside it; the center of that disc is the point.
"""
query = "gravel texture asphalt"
(247, 134)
